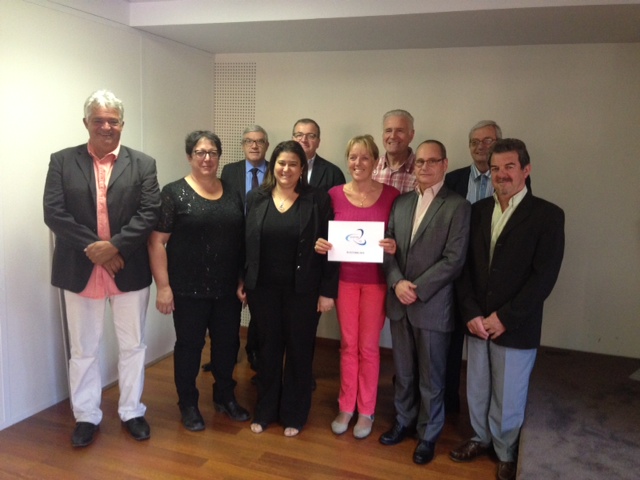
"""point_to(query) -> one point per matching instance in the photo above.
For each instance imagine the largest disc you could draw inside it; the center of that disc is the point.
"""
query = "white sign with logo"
(356, 241)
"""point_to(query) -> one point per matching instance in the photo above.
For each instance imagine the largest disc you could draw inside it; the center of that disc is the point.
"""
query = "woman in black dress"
(287, 285)
(202, 225)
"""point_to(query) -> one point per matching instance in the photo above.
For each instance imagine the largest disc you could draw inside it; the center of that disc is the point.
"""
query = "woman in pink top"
(362, 289)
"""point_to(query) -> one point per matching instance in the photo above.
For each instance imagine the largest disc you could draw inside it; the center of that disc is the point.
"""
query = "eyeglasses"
(202, 154)
(300, 136)
(98, 122)
(248, 142)
(487, 141)
(429, 162)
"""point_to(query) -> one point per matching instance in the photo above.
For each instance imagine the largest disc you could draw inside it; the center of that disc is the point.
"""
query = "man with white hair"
(101, 200)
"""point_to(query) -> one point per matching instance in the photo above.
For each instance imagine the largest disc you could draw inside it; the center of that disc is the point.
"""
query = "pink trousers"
(360, 309)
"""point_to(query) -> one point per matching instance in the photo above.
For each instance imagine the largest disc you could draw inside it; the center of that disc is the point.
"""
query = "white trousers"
(497, 387)
(85, 320)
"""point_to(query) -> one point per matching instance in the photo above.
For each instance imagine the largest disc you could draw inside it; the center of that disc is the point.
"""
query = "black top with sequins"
(206, 249)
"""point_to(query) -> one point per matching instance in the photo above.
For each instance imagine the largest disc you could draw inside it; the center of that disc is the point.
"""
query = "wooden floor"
(40, 448)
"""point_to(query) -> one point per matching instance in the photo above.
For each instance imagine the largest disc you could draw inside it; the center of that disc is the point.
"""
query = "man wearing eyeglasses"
(247, 174)
(473, 183)
(320, 172)
(244, 176)
(101, 200)
(431, 228)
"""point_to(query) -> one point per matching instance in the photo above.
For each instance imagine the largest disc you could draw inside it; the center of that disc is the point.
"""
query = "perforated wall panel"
(234, 103)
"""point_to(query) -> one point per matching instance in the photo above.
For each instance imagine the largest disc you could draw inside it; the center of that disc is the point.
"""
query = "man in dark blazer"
(322, 173)
(101, 200)
(431, 230)
(473, 183)
(247, 174)
(515, 252)
(244, 176)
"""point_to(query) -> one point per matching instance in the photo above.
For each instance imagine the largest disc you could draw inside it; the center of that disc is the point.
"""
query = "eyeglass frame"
(202, 154)
(429, 162)
(486, 141)
(311, 136)
(249, 142)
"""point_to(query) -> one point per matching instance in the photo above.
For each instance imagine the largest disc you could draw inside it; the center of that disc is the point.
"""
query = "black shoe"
(234, 410)
(506, 471)
(138, 428)
(424, 452)
(192, 419)
(83, 434)
(395, 435)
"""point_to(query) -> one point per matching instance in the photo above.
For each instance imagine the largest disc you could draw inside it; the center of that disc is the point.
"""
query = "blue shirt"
(475, 190)
(262, 171)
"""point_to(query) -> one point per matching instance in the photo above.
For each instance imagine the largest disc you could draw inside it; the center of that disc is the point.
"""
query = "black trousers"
(454, 366)
(192, 318)
(287, 324)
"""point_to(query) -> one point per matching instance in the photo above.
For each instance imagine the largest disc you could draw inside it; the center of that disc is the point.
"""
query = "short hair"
(486, 123)
(306, 121)
(443, 150)
(368, 142)
(104, 99)
(511, 145)
(398, 113)
(256, 128)
(194, 137)
(287, 146)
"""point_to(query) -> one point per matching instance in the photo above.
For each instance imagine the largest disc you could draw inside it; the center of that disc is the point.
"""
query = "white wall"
(52, 59)
(576, 106)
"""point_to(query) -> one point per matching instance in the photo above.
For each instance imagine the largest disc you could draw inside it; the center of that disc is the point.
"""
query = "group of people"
(469, 252)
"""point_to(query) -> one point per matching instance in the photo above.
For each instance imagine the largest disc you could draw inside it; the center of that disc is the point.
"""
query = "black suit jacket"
(526, 262)
(458, 181)
(235, 176)
(325, 175)
(133, 202)
(313, 271)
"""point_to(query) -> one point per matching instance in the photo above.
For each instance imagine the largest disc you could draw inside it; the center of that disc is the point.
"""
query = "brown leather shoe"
(506, 471)
(468, 451)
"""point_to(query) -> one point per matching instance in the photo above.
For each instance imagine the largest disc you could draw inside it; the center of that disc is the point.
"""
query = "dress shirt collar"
(513, 201)
(262, 167)
(109, 157)
(433, 190)
(475, 173)
(407, 166)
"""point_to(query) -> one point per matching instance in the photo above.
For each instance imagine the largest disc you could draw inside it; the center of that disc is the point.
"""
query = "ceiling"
(257, 26)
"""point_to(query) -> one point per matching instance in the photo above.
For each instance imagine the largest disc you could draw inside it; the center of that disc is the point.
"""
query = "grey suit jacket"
(433, 260)
(133, 202)
(325, 175)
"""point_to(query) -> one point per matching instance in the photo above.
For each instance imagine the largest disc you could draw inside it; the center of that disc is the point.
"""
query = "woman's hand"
(325, 304)
(164, 300)
(241, 294)
(388, 245)
(322, 246)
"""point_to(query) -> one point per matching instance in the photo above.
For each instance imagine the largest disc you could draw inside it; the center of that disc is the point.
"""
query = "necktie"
(254, 178)
(483, 188)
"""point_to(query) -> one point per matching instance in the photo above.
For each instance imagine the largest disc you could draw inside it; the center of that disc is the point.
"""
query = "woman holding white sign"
(362, 289)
